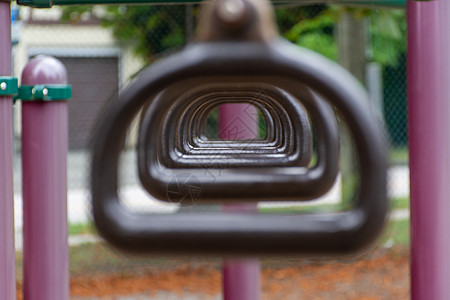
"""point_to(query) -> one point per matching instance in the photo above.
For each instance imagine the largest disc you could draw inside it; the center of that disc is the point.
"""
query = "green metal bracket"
(8, 86)
(44, 92)
(50, 3)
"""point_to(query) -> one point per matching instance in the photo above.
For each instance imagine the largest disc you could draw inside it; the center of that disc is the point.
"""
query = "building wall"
(44, 35)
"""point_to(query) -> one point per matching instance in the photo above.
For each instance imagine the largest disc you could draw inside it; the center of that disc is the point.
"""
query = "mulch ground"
(381, 274)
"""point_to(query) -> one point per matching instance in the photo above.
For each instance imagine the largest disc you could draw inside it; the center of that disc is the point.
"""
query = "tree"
(387, 32)
(154, 29)
(151, 30)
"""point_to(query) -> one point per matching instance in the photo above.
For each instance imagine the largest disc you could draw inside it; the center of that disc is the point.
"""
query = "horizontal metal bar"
(49, 92)
(50, 3)
(8, 86)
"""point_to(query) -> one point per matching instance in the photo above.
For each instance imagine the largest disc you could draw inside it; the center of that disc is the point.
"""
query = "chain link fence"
(105, 47)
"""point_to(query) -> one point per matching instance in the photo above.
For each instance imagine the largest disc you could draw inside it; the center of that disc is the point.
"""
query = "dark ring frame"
(243, 234)
(190, 116)
(184, 143)
(237, 182)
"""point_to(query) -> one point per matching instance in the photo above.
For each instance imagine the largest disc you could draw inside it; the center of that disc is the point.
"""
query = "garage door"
(94, 83)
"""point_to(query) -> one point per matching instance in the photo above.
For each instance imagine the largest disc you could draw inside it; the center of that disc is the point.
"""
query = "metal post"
(241, 277)
(7, 255)
(429, 123)
(44, 156)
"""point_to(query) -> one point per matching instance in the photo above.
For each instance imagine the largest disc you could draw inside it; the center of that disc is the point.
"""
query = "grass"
(396, 203)
(99, 258)
(400, 203)
(81, 228)
(300, 209)
(398, 156)
(396, 233)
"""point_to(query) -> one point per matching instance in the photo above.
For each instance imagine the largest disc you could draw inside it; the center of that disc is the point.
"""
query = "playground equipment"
(429, 73)
(192, 147)
(50, 3)
(241, 52)
(44, 155)
(186, 156)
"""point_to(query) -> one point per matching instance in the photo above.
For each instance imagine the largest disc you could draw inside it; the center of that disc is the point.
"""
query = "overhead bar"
(369, 3)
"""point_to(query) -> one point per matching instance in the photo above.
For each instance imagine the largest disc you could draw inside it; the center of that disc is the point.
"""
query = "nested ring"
(340, 232)
(194, 138)
(288, 134)
(261, 97)
(185, 115)
(183, 145)
(217, 181)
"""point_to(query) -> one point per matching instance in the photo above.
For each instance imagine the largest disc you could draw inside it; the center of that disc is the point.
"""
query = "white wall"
(70, 40)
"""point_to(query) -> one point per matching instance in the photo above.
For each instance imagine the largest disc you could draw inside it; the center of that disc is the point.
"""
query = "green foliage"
(75, 13)
(262, 127)
(350, 188)
(151, 29)
(212, 125)
(316, 31)
(313, 31)
(388, 34)
(154, 29)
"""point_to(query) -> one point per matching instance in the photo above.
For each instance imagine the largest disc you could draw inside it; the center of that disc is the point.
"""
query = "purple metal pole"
(7, 255)
(44, 159)
(241, 277)
(429, 124)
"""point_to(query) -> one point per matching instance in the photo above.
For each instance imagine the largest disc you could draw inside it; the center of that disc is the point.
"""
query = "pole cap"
(44, 70)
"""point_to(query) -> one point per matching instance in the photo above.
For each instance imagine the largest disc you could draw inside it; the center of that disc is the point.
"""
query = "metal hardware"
(49, 92)
(8, 86)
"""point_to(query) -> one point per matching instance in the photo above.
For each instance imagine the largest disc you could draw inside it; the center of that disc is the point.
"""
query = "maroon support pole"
(241, 277)
(429, 125)
(7, 256)
(44, 159)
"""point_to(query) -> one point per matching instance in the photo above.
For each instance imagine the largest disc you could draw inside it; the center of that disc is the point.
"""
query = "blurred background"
(105, 47)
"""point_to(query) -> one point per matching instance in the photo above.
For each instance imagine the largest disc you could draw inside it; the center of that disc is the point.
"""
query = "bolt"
(231, 11)
(3, 86)
(45, 92)
(33, 91)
